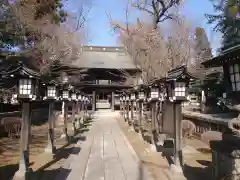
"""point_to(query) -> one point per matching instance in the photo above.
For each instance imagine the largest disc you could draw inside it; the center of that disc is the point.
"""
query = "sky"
(98, 22)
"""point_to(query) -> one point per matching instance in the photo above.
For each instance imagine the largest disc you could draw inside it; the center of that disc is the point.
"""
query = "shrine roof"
(101, 57)
(178, 73)
(228, 55)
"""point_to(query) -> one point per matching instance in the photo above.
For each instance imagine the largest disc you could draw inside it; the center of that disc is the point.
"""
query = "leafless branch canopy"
(48, 42)
(155, 51)
(159, 9)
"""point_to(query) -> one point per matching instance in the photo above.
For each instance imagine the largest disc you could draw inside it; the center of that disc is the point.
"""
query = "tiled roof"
(104, 58)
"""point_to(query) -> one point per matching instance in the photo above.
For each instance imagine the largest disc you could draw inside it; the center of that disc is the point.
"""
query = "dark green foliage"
(15, 33)
(227, 21)
(52, 7)
(10, 31)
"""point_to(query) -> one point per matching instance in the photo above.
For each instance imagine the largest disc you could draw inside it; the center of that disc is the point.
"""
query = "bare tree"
(48, 41)
(155, 51)
(160, 10)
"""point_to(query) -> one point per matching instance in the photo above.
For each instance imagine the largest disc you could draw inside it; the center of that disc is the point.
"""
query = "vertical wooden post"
(50, 146)
(113, 101)
(177, 114)
(94, 101)
(24, 142)
(65, 130)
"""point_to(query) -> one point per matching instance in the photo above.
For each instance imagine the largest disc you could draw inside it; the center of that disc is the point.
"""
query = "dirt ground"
(39, 161)
(196, 155)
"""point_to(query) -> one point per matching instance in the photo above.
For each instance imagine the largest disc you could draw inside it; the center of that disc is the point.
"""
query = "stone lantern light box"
(154, 92)
(177, 83)
(133, 97)
(27, 80)
(127, 97)
(74, 96)
(51, 90)
(141, 95)
(65, 94)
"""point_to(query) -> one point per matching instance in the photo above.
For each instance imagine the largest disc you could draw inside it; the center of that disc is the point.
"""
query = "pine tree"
(227, 21)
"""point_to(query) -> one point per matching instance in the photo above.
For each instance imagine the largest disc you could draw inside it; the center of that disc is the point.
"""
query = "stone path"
(104, 155)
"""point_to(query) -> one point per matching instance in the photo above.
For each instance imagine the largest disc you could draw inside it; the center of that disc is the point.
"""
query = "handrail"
(205, 117)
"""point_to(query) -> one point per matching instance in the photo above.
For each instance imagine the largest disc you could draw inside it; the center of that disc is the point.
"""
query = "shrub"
(211, 136)
(188, 128)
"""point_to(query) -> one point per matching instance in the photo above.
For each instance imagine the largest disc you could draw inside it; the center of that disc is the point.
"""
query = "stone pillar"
(120, 107)
(177, 116)
(153, 114)
(128, 111)
(94, 101)
(73, 116)
(153, 122)
(65, 130)
(24, 169)
(140, 115)
(63, 104)
(113, 101)
(50, 147)
(79, 114)
(125, 110)
(83, 111)
(132, 111)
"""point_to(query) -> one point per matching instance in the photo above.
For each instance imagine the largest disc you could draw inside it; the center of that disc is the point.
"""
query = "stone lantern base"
(226, 159)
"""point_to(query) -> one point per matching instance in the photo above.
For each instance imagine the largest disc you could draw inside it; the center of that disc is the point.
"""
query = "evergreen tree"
(18, 18)
(227, 21)
(202, 48)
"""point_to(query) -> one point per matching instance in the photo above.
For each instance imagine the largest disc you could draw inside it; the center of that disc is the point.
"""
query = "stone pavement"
(105, 154)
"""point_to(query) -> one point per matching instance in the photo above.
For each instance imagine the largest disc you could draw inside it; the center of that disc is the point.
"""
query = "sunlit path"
(106, 154)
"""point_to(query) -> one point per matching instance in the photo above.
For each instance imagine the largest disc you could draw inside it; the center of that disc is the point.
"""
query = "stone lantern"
(132, 101)
(51, 96)
(177, 82)
(227, 150)
(27, 81)
(74, 109)
(154, 97)
(140, 100)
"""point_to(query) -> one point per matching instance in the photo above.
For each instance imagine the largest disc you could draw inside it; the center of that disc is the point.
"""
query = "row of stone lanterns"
(31, 89)
(164, 98)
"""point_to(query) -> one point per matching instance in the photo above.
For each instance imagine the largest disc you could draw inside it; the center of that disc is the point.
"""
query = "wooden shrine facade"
(106, 69)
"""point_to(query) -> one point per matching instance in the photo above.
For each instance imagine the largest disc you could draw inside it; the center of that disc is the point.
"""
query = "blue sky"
(100, 32)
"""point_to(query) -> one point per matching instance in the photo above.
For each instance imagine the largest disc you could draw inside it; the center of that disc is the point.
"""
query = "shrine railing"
(207, 122)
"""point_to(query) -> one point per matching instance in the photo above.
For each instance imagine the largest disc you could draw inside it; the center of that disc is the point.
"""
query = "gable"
(104, 58)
